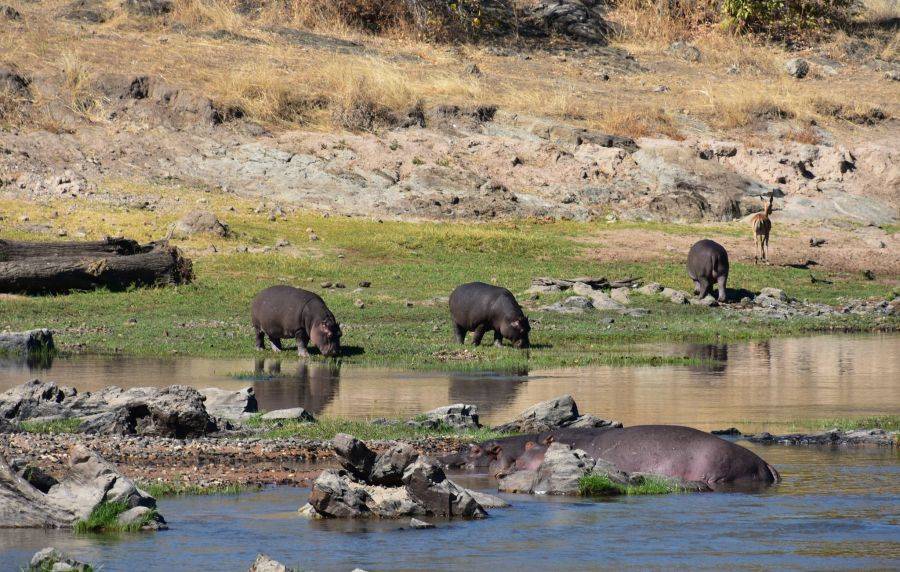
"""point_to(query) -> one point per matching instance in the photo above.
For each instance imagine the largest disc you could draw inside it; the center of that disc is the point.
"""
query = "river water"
(834, 510)
(755, 385)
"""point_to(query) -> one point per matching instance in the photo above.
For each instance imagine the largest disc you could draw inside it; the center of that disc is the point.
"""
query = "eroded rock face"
(230, 404)
(90, 481)
(174, 411)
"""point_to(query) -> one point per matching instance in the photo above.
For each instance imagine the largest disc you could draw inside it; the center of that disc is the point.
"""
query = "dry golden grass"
(660, 21)
(640, 122)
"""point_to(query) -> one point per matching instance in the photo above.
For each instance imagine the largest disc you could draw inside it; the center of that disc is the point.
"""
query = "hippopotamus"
(671, 450)
(479, 307)
(287, 312)
(707, 264)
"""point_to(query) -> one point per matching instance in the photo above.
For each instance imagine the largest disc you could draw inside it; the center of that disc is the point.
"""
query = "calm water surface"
(757, 385)
(834, 510)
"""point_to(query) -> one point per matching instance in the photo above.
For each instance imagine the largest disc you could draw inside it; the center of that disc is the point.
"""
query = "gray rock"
(517, 482)
(893, 75)
(486, 500)
(51, 559)
(707, 301)
(333, 496)
(675, 296)
(35, 476)
(230, 404)
(13, 82)
(29, 342)
(590, 421)
(419, 524)
(293, 413)
(556, 412)
(148, 7)
(199, 222)
(9, 13)
(390, 465)
(620, 295)
(561, 470)
(599, 299)
(650, 289)
(265, 564)
(426, 483)
(140, 514)
(90, 482)
(837, 437)
(797, 67)
(353, 455)
(457, 416)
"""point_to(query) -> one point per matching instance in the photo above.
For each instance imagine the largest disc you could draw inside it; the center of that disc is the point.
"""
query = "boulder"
(90, 482)
(230, 404)
(389, 466)
(291, 414)
(556, 412)
(148, 7)
(333, 496)
(428, 485)
(685, 51)
(28, 342)
(620, 295)
(265, 564)
(14, 83)
(419, 524)
(561, 470)
(796, 67)
(199, 222)
(457, 416)
(774, 293)
(675, 296)
(650, 289)
(9, 13)
(51, 559)
(353, 455)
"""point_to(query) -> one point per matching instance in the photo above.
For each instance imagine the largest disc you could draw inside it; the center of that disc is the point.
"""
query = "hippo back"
(707, 259)
(477, 302)
(283, 310)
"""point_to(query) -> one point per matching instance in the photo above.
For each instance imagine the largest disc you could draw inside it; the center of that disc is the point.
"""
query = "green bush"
(787, 18)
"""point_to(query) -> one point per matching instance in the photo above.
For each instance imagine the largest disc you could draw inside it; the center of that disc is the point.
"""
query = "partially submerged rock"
(29, 342)
(557, 412)
(90, 482)
(290, 414)
(265, 564)
(51, 559)
(174, 411)
(835, 437)
(396, 483)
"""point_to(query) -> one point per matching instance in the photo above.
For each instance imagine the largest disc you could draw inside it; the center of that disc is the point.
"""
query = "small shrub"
(787, 18)
(51, 427)
(596, 484)
(105, 518)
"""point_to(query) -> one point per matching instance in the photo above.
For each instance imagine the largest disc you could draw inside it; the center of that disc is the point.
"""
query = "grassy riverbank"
(412, 268)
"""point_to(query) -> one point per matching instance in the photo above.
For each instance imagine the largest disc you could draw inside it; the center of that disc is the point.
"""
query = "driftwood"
(109, 247)
(67, 269)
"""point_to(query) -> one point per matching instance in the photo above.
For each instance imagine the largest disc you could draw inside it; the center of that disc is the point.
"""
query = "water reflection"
(311, 386)
(756, 385)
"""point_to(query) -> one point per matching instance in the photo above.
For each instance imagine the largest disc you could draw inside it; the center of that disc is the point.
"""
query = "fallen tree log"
(12, 250)
(160, 265)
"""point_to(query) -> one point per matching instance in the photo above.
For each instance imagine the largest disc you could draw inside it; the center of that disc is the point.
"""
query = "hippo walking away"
(287, 312)
(670, 450)
(479, 307)
(707, 264)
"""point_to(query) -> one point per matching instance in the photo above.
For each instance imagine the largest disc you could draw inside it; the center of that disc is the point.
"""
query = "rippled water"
(834, 510)
(757, 384)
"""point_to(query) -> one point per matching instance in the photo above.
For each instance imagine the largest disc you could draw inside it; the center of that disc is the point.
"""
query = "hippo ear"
(475, 450)
(549, 439)
(495, 451)
(529, 445)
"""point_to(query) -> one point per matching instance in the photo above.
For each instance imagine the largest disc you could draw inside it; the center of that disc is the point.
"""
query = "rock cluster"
(53, 560)
(562, 469)
(457, 416)
(396, 483)
(33, 499)
(837, 437)
(551, 414)
(174, 411)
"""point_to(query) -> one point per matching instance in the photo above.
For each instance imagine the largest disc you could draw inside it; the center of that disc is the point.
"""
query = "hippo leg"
(696, 287)
(260, 336)
(460, 333)
(498, 339)
(704, 288)
(722, 290)
(276, 344)
(479, 333)
(302, 342)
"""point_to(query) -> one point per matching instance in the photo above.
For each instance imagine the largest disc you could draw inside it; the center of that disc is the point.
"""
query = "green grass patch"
(413, 267)
(886, 422)
(105, 518)
(158, 489)
(326, 428)
(54, 427)
(596, 484)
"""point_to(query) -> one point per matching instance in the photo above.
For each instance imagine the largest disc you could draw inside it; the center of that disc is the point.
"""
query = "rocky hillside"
(554, 123)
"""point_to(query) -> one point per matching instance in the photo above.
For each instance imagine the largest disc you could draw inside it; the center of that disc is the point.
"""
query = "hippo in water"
(287, 312)
(479, 307)
(670, 450)
(707, 264)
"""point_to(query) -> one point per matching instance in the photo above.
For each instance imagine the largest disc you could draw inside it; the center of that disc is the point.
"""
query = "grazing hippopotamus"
(670, 450)
(707, 264)
(287, 312)
(479, 307)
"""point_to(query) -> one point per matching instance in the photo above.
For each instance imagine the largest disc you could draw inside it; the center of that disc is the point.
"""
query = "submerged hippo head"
(516, 331)
(327, 337)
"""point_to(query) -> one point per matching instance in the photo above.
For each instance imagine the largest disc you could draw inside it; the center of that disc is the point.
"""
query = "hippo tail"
(776, 476)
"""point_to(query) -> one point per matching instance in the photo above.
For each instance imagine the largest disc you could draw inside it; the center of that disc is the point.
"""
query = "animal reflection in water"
(713, 357)
(312, 386)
